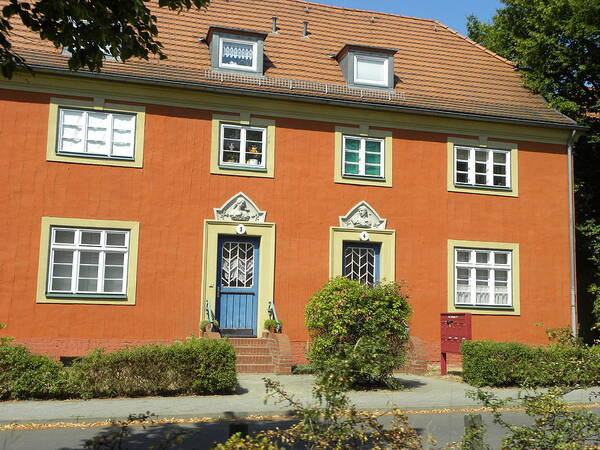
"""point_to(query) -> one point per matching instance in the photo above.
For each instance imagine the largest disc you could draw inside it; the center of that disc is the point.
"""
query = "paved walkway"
(421, 393)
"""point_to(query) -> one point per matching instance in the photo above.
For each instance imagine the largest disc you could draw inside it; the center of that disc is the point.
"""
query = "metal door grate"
(359, 264)
(237, 265)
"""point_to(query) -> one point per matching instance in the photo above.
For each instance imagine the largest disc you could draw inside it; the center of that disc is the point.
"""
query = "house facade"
(275, 149)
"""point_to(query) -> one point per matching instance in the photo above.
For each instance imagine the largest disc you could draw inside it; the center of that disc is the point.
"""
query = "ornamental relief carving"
(239, 208)
(362, 215)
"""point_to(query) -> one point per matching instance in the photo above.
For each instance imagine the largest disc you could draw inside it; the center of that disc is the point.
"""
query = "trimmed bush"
(487, 363)
(358, 333)
(196, 366)
(24, 375)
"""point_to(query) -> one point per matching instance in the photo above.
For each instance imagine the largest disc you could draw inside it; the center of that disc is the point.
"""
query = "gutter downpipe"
(572, 260)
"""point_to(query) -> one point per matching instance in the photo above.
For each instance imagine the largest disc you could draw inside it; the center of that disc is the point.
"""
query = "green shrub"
(487, 363)
(196, 366)
(24, 375)
(358, 333)
(303, 369)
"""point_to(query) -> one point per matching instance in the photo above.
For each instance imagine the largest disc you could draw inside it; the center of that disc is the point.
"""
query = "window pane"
(463, 256)
(231, 132)
(64, 236)
(89, 257)
(499, 157)
(351, 169)
(500, 181)
(481, 155)
(482, 276)
(62, 270)
(115, 239)
(501, 258)
(230, 157)
(72, 130)
(254, 159)
(254, 135)
(499, 170)
(372, 170)
(462, 154)
(85, 285)
(463, 274)
(115, 259)
(63, 256)
(88, 271)
(90, 237)
(113, 272)
(462, 178)
(373, 158)
(61, 284)
(113, 286)
(501, 276)
(482, 257)
(351, 144)
(463, 166)
(373, 146)
(480, 168)
(237, 53)
(480, 179)
(370, 69)
(352, 156)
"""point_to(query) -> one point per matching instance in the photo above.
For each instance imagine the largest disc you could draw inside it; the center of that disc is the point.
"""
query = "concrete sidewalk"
(420, 393)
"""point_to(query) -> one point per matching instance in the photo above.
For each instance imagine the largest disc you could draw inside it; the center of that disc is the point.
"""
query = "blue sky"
(451, 13)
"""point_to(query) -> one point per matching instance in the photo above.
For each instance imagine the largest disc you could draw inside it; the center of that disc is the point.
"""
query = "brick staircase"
(253, 355)
(269, 354)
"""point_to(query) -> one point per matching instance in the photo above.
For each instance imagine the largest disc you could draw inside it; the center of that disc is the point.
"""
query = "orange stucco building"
(143, 200)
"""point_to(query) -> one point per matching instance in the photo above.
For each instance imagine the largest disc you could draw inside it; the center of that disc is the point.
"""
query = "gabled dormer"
(236, 50)
(365, 66)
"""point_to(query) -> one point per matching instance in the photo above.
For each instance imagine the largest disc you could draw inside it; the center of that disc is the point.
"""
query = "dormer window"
(364, 66)
(370, 70)
(233, 50)
(237, 54)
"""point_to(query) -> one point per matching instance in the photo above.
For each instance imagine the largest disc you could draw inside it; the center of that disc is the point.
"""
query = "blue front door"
(237, 285)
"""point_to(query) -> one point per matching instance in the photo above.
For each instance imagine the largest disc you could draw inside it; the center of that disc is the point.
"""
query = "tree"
(556, 46)
(88, 29)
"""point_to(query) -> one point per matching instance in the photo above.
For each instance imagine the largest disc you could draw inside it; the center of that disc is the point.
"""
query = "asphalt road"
(443, 427)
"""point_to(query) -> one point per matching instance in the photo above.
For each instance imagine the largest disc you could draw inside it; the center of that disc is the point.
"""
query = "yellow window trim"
(134, 231)
(363, 131)
(242, 119)
(484, 143)
(266, 270)
(98, 105)
(515, 274)
(387, 256)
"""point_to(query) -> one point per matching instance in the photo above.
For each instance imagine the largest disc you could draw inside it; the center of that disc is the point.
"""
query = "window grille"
(483, 277)
(360, 264)
(482, 167)
(237, 265)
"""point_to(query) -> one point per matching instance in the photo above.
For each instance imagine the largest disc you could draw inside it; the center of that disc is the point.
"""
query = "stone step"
(252, 350)
(255, 368)
(254, 359)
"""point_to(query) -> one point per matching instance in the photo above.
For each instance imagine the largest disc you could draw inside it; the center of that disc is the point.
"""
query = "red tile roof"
(437, 69)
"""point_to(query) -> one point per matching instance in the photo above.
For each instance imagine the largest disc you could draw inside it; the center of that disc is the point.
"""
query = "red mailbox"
(455, 327)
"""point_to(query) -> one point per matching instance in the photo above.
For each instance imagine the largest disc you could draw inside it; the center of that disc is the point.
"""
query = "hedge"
(196, 366)
(487, 363)
(24, 375)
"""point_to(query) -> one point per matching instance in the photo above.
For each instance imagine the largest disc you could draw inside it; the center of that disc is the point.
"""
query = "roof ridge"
(364, 10)
(472, 42)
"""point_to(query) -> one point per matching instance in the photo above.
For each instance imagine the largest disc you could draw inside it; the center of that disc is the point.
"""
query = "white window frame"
(385, 82)
(489, 163)
(77, 247)
(243, 129)
(109, 132)
(362, 157)
(254, 45)
(491, 266)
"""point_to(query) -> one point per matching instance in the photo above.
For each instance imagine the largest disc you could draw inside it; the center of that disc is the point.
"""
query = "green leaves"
(89, 30)
(357, 332)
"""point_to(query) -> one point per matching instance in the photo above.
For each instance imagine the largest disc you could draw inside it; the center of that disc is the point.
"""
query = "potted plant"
(272, 325)
(207, 325)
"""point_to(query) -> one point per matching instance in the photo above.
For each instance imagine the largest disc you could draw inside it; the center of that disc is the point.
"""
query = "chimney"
(306, 33)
